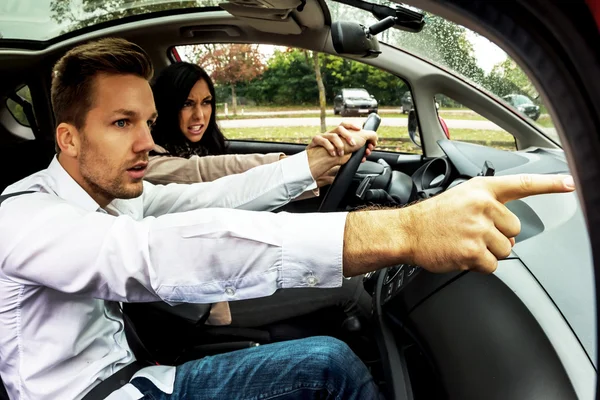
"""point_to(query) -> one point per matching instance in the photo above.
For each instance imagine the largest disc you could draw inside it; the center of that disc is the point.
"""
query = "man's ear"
(68, 139)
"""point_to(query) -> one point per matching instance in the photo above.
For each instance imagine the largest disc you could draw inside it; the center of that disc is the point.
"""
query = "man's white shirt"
(66, 263)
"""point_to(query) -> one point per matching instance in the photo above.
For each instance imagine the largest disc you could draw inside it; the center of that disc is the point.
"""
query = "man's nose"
(143, 142)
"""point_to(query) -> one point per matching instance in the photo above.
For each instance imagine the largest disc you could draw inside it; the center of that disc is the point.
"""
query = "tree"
(288, 79)
(230, 64)
(77, 14)
(507, 77)
(321, 87)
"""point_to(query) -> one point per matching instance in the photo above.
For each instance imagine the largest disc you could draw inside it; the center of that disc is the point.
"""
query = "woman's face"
(196, 111)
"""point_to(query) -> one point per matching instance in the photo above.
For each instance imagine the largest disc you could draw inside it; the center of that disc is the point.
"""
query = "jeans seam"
(294, 389)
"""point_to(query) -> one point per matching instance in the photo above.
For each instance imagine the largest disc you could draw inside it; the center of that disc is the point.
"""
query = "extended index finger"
(512, 187)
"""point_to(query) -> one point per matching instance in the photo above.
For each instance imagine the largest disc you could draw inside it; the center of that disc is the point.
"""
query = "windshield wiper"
(403, 17)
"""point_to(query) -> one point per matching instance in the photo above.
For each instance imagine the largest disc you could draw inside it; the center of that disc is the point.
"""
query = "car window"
(271, 94)
(466, 125)
(16, 109)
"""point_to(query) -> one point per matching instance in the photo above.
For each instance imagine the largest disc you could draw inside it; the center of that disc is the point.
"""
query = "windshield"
(520, 100)
(47, 19)
(358, 93)
(462, 52)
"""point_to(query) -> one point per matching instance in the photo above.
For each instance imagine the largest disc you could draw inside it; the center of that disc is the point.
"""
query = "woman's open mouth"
(196, 129)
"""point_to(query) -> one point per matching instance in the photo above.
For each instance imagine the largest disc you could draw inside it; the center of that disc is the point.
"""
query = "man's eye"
(122, 123)
(151, 124)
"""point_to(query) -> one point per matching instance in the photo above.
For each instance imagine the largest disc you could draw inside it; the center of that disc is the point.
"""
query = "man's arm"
(207, 256)
(465, 228)
(202, 256)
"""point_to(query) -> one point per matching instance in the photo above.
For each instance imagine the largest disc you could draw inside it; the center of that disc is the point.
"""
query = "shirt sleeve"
(263, 188)
(201, 256)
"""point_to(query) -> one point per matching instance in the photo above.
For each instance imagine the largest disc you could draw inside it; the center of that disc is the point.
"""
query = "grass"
(390, 138)
(544, 120)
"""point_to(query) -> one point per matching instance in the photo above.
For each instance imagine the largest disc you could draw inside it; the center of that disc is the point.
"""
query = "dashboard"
(526, 331)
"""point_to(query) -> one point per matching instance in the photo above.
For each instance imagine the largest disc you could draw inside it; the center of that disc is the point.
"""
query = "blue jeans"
(313, 368)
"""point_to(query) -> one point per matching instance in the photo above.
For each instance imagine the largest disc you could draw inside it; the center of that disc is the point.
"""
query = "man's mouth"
(138, 170)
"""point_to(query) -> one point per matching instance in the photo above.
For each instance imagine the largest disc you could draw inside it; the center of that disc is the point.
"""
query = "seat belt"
(121, 377)
(6, 196)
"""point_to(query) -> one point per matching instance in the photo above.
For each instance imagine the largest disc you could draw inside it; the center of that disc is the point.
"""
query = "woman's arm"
(166, 169)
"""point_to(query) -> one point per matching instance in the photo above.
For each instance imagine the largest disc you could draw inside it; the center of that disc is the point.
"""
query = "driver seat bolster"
(196, 314)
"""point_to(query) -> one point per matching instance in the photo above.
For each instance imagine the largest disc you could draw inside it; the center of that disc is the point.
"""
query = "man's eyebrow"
(127, 113)
(133, 114)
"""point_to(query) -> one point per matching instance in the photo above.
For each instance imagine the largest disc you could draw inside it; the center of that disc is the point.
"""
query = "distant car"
(406, 102)
(354, 101)
(524, 104)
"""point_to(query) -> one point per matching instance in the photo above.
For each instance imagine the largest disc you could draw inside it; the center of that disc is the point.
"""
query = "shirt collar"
(68, 189)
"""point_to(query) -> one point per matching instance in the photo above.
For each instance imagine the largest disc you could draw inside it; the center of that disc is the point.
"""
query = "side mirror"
(413, 128)
(352, 38)
(372, 96)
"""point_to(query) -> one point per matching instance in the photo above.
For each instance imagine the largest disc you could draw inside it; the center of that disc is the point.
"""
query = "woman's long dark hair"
(171, 90)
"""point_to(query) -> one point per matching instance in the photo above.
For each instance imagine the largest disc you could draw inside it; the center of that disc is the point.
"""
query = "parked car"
(354, 101)
(524, 104)
(406, 102)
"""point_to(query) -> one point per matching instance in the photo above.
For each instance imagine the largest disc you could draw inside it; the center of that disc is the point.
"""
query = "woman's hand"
(335, 140)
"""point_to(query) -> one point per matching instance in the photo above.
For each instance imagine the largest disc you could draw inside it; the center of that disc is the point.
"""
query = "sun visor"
(281, 14)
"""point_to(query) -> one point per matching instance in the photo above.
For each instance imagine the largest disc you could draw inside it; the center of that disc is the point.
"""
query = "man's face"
(116, 139)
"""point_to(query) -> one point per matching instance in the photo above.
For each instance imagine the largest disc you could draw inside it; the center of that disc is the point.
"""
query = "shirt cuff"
(312, 257)
(296, 174)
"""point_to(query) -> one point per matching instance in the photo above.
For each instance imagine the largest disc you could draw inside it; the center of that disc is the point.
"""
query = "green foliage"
(289, 79)
(508, 78)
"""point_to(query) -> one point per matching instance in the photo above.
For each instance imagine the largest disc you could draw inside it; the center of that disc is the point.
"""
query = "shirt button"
(230, 291)
(312, 280)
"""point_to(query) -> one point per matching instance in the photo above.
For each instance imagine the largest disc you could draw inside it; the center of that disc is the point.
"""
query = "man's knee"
(330, 353)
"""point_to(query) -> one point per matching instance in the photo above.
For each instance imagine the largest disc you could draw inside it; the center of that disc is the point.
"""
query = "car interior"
(526, 331)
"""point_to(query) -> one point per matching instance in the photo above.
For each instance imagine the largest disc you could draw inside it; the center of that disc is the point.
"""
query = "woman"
(191, 148)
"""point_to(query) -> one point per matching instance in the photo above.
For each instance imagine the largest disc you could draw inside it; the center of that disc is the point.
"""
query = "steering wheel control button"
(229, 291)
(411, 270)
(312, 280)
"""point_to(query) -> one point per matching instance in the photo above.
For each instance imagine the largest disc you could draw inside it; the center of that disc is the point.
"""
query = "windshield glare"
(359, 93)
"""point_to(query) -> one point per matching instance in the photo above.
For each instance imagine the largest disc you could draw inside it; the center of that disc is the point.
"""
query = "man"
(94, 234)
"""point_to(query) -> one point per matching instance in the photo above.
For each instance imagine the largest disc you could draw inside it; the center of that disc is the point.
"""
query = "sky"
(486, 52)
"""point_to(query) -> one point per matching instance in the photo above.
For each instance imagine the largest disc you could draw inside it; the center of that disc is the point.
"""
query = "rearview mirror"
(413, 128)
(351, 38)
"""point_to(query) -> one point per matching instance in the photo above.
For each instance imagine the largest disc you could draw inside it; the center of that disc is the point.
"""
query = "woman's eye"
(122, 123)
(187, 104)
(206, 102)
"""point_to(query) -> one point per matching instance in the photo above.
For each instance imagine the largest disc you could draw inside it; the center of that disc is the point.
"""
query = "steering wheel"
(343, 179)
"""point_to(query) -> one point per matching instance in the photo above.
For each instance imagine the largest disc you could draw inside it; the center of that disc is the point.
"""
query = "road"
(334, 120)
